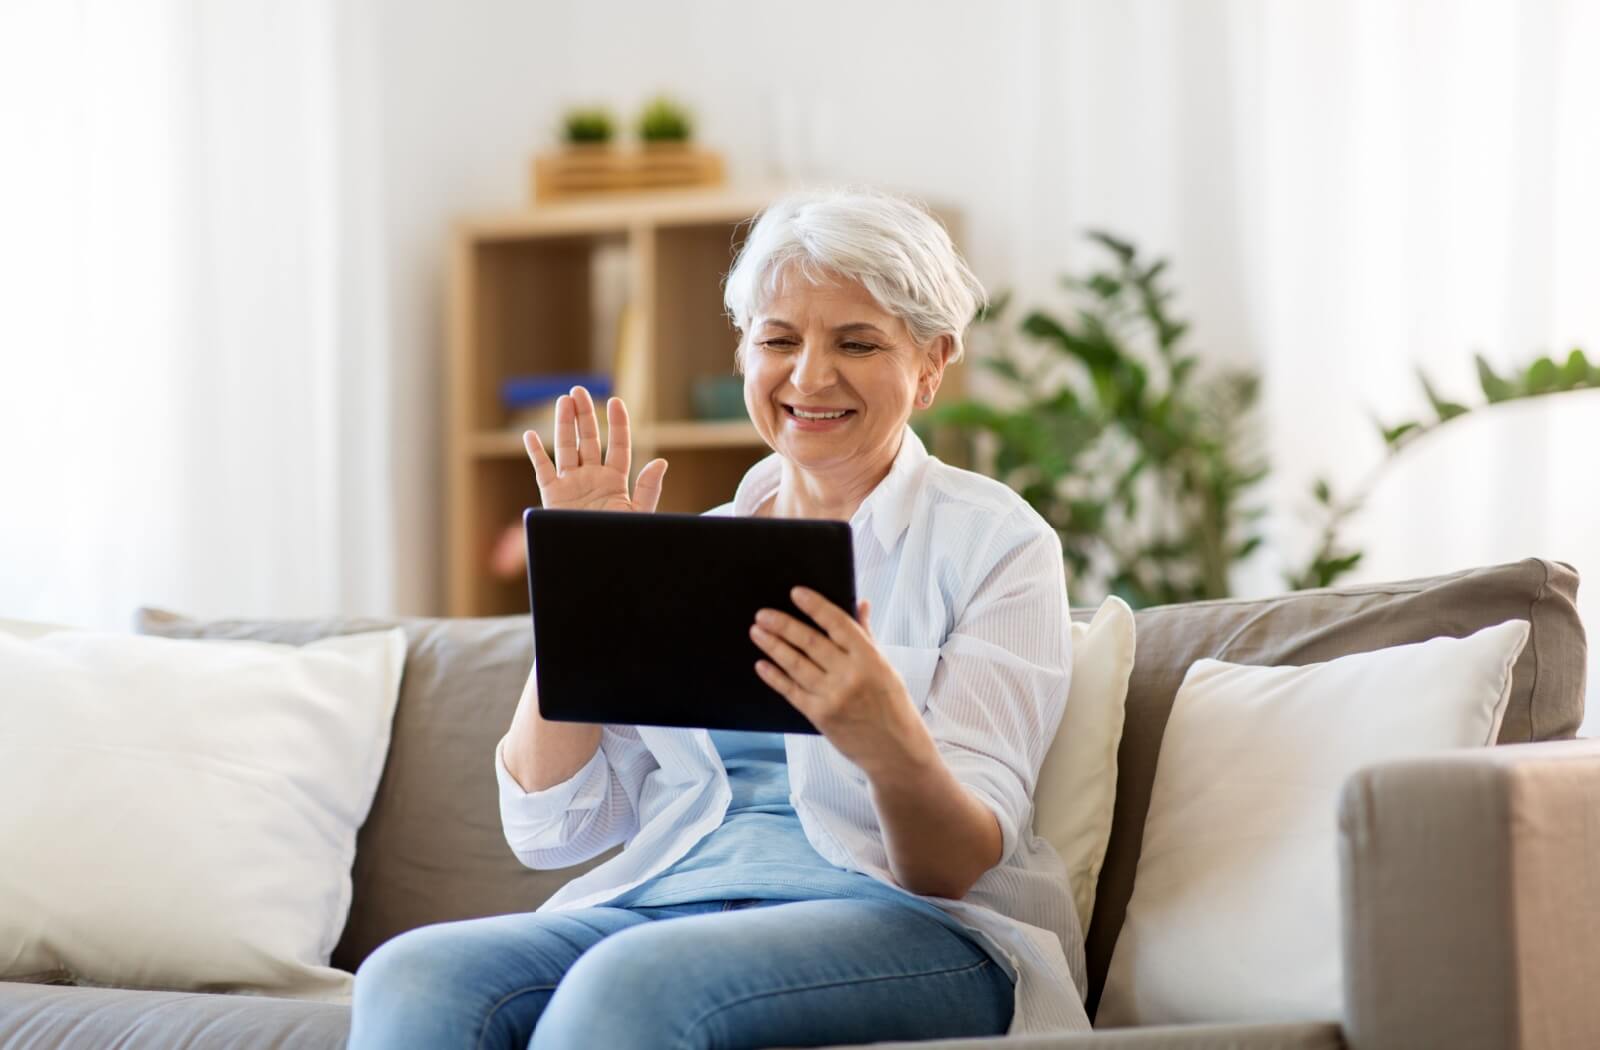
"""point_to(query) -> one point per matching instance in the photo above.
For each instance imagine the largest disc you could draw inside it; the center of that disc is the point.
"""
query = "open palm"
(578, 479)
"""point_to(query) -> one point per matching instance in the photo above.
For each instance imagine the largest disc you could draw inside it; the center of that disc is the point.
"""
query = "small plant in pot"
(665, 123)
(588, 126)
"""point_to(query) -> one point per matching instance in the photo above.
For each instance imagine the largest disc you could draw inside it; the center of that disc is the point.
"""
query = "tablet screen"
(644, 619)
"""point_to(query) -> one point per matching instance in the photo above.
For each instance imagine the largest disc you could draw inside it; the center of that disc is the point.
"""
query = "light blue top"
(760, 850)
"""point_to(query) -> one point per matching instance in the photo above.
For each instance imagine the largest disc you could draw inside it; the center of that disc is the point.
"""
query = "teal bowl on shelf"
(717, 397)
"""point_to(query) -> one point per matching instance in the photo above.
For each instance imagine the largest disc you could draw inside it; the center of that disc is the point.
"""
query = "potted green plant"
(1143, 460)
(588, 126)
(664, 122)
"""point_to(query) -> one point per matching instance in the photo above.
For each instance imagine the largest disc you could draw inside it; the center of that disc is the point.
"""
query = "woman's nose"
(813, 370)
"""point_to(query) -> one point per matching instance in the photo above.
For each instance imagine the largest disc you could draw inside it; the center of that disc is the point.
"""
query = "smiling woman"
(890, 855)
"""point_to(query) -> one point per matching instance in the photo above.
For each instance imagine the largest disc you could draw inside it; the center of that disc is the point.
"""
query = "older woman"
(880, 881)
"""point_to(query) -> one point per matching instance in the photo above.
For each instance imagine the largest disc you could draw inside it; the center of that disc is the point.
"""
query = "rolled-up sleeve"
(1000, 689)
(586, 814)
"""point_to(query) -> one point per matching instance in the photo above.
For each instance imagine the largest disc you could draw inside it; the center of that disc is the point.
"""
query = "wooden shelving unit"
(521, 302)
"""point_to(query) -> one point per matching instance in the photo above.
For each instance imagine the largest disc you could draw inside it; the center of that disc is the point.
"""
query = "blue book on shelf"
(521, 391)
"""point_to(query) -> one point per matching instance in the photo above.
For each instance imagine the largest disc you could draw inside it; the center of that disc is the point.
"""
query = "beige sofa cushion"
(1311, 626)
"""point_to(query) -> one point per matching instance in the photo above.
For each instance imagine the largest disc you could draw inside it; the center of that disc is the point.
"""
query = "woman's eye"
(852, 347)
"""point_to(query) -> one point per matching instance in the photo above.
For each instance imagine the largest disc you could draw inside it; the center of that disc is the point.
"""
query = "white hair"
(891, 245)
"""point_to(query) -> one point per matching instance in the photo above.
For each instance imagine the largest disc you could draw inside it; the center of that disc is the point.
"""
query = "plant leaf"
(1393, 436)
(1495, 389)
(992, 309)
(1123, 250)
(1541, 377)
(1447, 410)
(1575, 373)
(1105, 286)
(1004, 366)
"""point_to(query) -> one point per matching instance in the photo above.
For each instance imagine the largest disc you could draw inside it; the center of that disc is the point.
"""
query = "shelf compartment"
(691, 335)
(522, 319)
(696, 434)
(702, 478)
(497, 491)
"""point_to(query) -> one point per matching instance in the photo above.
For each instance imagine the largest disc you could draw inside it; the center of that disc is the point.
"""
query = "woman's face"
(826, 348)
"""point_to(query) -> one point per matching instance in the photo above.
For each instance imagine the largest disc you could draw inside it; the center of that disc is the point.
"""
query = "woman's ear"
(938, 357)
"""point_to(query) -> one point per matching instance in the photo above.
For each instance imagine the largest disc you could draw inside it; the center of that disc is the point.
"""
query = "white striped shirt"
(969, 603)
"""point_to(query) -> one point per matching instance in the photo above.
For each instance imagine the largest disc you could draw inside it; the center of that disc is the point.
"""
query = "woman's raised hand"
(578, 480)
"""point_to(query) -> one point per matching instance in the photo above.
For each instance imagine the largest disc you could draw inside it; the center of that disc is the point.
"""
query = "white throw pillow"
(1077, 787)
(1235, 908)
(182, 814)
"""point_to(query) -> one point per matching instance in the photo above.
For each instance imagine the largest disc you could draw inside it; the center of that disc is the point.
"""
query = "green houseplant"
(663, 121)
(588, 126)
(1143, 459)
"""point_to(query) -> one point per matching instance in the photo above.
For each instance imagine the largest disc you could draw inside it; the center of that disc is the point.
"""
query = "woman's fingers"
(588, 428)
(796, 663)
(566, 435)
(543, 470)
(802, 636)
(647, 490)
(619, 447)
(840, 627)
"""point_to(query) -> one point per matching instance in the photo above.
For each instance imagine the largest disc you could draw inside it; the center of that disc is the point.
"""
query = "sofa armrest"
(1471, 885)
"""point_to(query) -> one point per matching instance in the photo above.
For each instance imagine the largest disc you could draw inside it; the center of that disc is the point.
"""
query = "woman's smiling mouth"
(817, 417)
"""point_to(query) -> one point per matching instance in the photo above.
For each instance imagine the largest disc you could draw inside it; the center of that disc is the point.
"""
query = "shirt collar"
(887, 507)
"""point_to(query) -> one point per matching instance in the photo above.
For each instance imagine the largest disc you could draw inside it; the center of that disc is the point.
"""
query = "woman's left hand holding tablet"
(839, 680)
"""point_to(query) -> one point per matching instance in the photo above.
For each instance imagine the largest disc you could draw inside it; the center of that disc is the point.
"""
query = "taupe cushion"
(51, 1017)
(431, 849)
(1312, 626)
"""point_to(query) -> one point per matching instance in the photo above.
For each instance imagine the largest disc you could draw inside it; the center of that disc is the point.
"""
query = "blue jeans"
(738, 973)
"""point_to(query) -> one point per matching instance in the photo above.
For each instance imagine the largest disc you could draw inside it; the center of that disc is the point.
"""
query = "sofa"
(1470, 879)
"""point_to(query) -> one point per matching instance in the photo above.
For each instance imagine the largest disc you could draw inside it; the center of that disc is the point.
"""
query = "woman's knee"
(404, 969)
(621, 964)
(619, 994)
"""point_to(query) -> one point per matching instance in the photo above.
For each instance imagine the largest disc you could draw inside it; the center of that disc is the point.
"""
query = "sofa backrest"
(1305, 627)
(431, 849)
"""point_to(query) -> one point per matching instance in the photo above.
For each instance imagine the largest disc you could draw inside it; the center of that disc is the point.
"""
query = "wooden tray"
(582, 171)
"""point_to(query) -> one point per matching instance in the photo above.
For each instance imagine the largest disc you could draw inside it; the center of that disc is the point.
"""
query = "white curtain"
(1351, 190)
(1445, 170)
(193, 390)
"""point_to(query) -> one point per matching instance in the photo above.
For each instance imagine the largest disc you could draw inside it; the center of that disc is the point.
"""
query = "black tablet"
(644, 619)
